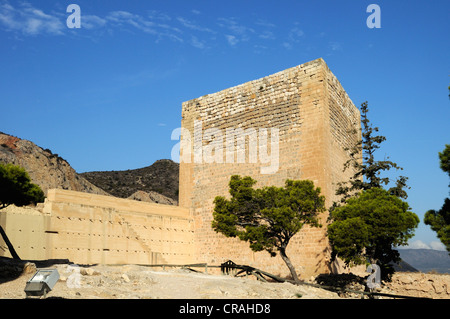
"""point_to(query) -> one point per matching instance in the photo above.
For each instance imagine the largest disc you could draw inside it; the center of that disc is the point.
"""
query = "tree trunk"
(289, 264)
(8, 243)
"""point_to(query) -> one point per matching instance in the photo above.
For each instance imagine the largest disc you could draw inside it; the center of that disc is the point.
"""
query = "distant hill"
(403, 266)
(46, 169)
(427, 260)
(160, 177)
(157, 183)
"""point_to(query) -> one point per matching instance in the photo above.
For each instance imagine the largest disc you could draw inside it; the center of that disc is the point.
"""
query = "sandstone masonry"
(98, 229)
(313, 116)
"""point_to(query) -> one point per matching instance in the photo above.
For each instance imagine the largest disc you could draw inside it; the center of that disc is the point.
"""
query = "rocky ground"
(136, 282)
(140, 282)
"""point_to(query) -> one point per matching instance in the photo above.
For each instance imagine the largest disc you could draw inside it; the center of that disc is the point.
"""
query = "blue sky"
(107, 96)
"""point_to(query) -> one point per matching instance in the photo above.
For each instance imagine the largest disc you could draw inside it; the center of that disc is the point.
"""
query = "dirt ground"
(136, 282)
(141, 282)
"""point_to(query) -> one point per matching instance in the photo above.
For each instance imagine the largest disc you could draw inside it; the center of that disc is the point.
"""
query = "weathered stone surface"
(420, 285)
(29, 268)
(89, 272)
(313, 114)
(152, 197)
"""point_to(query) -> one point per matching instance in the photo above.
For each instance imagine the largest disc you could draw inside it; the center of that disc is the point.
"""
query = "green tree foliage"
(369, 226)
(444, 158)
(369, 220)
(367, 169)
(269, 217)
(440, 220)
(16, 188)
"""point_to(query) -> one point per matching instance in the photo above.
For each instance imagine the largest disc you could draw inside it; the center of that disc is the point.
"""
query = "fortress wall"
(87, 228)
(343, 118)
(296, 101)
(24, 227)
(312, 115)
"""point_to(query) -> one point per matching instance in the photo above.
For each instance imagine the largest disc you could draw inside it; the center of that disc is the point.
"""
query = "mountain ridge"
(49, 170)
(46, 169)
(161, 177)
(426, 260)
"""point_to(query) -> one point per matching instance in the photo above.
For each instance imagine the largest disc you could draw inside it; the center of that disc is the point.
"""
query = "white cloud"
(157, 15)
(29, 20)
(92, 21)
(259, 48)
(335, 46)
(295, 34)
(437, 245)
(232, 40)
(236, 32)
(232, 25)
(418, 244)
(190, 25)
(123, 18)
(287, 45)
(267, 35)
(197, 43)
(119, 16)
(265, 23)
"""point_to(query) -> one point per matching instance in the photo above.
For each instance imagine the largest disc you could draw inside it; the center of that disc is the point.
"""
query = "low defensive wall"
(89, 229)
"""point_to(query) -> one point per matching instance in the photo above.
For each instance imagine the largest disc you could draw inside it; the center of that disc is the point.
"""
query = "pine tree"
(369, 221)
(269, 217)
(16, 188)
(367, 168)
(439, 221)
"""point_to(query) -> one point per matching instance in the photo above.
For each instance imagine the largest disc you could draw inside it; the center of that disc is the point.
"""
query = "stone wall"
(87, 228)
(313, 115)
(307, 116)
(24, 227)
(436, 286)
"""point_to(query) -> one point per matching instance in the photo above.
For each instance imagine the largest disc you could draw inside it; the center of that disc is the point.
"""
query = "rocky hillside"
(157, 183)
(46, 169)
(161, 178)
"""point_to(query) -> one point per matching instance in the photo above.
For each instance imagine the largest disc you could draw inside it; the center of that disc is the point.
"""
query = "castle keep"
(293, 124)
(313, 115)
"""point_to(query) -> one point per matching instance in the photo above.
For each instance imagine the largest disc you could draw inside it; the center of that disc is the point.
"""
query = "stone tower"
(293, 124)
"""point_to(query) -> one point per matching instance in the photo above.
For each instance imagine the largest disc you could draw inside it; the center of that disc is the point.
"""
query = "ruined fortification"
(98, 229)
(294, 124)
